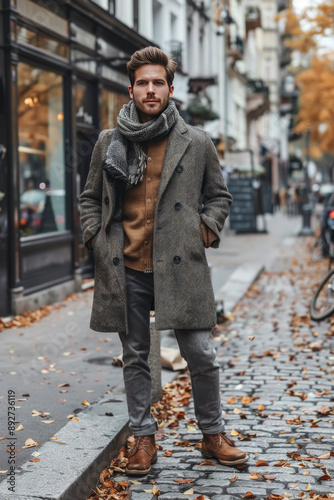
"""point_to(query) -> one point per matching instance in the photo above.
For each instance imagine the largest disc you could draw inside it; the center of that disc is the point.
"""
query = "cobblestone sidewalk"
(277, 378)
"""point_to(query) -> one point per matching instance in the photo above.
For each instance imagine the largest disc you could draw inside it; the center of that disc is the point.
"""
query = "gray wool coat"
(191, 189)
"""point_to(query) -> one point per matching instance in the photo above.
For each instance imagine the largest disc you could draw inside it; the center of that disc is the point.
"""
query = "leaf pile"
(28, 318)
(167, 412)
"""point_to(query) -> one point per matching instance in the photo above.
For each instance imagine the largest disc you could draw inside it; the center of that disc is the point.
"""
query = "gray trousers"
(196, 347)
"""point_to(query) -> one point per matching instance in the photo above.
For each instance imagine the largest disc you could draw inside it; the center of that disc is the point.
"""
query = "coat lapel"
(177, 144)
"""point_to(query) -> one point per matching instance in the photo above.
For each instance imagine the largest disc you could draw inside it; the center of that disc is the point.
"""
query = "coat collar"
(178, 142)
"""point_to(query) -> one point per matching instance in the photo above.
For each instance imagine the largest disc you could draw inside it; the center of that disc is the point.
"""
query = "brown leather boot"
(221, 447)
(142, 455)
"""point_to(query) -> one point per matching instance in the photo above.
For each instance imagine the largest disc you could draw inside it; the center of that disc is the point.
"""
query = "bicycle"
(320, 248)
(322, 303)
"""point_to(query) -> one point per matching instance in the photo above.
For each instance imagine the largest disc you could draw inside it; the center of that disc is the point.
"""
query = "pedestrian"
(154, 199)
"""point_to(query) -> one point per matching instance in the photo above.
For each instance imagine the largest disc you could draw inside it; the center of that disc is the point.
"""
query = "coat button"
(179, 169)
(115, 261)
(106, 200)
(177, 259)
(178, 206)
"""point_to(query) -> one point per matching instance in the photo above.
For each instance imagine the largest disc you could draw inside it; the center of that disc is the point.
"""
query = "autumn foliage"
(308, 34)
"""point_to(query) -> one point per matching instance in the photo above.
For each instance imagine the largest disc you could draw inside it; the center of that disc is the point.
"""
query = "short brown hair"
(151, 55)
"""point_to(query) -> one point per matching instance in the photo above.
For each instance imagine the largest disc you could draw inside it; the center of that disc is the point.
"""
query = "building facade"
(63, 80)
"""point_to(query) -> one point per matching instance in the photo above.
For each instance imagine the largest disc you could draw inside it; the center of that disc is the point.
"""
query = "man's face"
(150, 91)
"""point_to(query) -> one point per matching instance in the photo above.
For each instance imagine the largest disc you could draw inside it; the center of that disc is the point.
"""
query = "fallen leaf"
(207, 462)
(189, 492)
(34, 460)
(231, 401)
(254, 475)
(30, 443)
(325, 477)
(325, 456)
(249, 495)
(234, 433)
(236, 411)
(251, 338)
(184, 481)
(20, 428)
(3, 471)
(261, 463)
(85, 403)
(47, 421)
(64, 384)
(234, 478)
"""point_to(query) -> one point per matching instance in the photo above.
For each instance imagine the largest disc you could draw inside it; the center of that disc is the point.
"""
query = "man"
(154, 198)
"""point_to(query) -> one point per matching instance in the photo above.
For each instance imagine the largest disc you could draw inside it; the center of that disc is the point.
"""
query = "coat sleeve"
(91, 197)
(216, 198)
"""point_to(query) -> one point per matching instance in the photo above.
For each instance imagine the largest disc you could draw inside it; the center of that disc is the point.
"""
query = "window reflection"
(42, 41)
(111, 103)
(41, 151)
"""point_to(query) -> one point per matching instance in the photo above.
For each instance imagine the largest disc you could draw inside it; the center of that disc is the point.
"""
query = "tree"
(308, 34)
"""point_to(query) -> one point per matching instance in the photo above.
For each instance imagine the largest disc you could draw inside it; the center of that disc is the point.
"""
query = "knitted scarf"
(125, 158)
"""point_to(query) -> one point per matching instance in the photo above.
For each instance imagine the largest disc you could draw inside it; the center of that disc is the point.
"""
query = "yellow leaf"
(238, 412)
(30, 443)
(85, 403)
(54, 437)
(325, 456)
(308, 487)
(251, 338)
(234, 433)
(254, 475)
(47, 421)
(20, 428)
(291, 440)
(3, 471)
(189, 492)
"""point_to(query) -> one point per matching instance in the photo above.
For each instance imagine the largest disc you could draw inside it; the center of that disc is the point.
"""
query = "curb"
(68, 471)
(237, 285)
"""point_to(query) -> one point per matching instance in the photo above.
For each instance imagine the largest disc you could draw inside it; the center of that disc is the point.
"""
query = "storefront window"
(42, 41)
(111, 103)
(41, 151)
